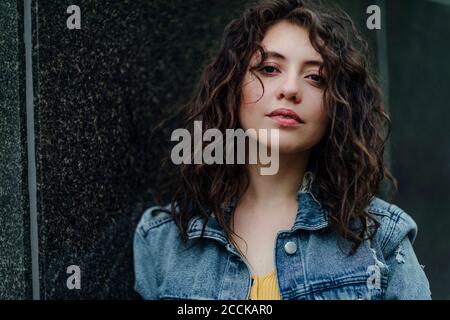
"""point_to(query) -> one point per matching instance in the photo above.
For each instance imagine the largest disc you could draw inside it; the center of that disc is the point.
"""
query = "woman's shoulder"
(395, 224)
(155, 218)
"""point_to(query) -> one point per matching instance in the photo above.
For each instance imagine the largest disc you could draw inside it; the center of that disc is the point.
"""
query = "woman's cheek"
(319, 129)
(252, 91)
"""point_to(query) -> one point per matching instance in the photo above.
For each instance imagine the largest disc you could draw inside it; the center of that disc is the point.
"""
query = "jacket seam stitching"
(393, 225)
(154, 225)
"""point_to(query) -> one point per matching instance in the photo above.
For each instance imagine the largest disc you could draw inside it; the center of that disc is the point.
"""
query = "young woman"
(313, 230)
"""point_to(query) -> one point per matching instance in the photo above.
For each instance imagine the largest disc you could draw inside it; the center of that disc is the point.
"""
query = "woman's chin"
(285, 148)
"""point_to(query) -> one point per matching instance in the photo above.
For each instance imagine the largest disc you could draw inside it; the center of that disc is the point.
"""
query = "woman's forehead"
(286, 41)
(289, 41)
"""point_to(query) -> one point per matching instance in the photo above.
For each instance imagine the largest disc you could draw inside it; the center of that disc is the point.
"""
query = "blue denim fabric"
(320, 268)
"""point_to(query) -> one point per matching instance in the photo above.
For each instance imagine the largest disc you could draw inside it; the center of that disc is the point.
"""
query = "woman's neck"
(271, 190)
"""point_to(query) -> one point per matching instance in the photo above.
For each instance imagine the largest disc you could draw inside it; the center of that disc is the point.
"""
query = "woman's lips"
(284, 121)
(285, 117)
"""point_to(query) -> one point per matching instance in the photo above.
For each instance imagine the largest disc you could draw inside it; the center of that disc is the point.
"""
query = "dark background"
(99, 92)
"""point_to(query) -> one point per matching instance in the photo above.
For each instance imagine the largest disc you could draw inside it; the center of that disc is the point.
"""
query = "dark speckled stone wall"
(15, 261)
(99, 92)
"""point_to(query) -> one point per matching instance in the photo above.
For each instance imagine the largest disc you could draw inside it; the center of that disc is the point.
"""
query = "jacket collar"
(310, 214)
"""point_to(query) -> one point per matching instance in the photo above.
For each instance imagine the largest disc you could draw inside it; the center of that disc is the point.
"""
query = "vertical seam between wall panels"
(383, 67)
(31, 151)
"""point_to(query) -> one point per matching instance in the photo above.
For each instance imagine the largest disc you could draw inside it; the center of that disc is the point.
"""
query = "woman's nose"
(290, 90)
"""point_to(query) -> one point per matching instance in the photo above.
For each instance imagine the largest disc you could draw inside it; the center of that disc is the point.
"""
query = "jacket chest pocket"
(180, 287)
(363, 286)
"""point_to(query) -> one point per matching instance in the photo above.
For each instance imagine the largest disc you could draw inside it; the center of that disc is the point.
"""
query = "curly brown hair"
(348, 160)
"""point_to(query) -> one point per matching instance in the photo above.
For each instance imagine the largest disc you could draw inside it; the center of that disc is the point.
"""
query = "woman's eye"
(316, 78)
(269, 69)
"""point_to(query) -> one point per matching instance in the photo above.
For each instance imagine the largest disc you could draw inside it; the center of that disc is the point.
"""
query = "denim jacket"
(309, 263)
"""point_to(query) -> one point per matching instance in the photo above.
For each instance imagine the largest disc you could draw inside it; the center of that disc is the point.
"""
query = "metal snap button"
(290, 247)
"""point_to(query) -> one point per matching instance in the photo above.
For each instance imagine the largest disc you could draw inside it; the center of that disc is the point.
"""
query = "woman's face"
(293, 93)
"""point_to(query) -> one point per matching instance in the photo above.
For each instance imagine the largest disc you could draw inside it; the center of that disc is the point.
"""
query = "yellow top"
(265, 287)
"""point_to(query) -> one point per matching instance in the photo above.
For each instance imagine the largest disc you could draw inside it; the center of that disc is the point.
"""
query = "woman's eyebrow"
(277, 55)
(274, 54)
